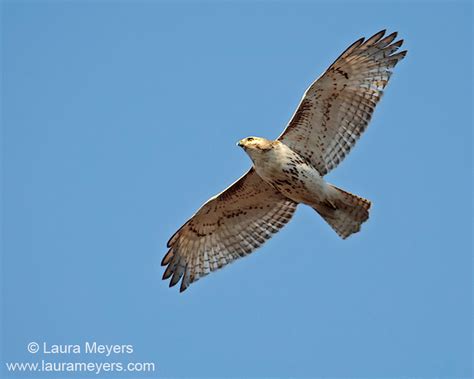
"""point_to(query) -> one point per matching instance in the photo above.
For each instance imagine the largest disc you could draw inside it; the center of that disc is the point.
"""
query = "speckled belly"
(295, 179)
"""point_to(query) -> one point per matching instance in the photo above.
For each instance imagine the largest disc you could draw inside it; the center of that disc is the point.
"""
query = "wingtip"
(375, 38)
(392, 35)
(357, 43)
(172, 284)
(167, 258)
(166, 274)
(386, 41)
(182, 289)
(379, 34)
(398, 43)
(172, 239)
(402, 54)
(163, 262)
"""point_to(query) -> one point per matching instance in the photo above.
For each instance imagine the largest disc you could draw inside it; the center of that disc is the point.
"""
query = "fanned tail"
(344, 212)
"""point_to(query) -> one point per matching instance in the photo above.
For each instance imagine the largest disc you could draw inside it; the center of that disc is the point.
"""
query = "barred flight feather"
(336, 108)
(227, 227)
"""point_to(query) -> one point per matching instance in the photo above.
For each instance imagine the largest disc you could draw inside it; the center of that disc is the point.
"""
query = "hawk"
(333, 113)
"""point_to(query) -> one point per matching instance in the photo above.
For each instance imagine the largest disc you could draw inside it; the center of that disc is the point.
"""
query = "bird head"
(257, 148)
(255, 143)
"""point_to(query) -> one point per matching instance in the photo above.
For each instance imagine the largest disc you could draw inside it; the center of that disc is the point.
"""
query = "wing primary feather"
(167, 258)
(185, 280)
(178, 273)
(349, 50)
(375, 38)
(387, 40)
(169, 270)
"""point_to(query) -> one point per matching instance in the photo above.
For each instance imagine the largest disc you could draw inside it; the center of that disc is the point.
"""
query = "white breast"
(291, 175)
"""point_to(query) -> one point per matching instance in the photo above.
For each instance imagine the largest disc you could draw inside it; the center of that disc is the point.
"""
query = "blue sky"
(120, 118)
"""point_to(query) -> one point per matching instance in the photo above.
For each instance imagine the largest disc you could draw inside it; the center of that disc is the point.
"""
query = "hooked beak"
(240, 143)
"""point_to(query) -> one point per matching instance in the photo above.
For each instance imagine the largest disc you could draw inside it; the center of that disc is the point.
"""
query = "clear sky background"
(119, 119)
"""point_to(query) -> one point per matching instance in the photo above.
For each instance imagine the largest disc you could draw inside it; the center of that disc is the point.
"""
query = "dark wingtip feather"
(349, 50)
(392, 35)
(168, 244)
(398, 43)
(182, 288)
(388, 39)
(166, 274)
(356, 44)
(175, 279)
(175, 235)
(376, 37)
(167, 258)
(178, 274)
(400, 55)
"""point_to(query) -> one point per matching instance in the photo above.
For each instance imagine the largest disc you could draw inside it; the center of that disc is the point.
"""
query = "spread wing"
(227, 227)
(337, 107)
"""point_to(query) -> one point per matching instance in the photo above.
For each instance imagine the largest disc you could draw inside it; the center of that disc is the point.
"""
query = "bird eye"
(250, 139)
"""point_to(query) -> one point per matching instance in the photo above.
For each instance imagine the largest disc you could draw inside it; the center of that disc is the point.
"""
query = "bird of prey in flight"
(332, 115)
